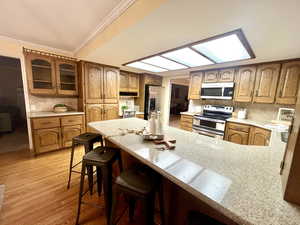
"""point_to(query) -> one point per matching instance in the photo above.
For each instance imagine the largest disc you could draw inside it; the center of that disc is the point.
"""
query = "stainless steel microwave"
(217, 90)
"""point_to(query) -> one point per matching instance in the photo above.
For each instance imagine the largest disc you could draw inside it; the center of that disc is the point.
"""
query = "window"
(227, 47)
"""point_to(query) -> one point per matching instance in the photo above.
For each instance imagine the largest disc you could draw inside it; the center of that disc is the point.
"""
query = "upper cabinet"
(66, 77)
(288, 83)
(244, 84)
(41, 74)
(50, 76)
(111, 85)
(93, 83)
(195, 85)
(224, 75)
(266, 83)
(129, 82)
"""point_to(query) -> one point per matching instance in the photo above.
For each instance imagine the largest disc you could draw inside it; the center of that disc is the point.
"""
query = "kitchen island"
(240, 182)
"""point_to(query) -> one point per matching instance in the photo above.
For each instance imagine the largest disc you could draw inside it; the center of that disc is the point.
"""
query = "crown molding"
(111, 17)
(36, 46)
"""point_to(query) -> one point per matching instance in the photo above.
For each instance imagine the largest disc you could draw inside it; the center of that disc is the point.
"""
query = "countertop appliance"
(152, 99)
(212, 121)
(217, 90)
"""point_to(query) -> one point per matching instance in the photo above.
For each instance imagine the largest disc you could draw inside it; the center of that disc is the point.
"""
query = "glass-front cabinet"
(41, 74)
(66, 77)
(50, 76)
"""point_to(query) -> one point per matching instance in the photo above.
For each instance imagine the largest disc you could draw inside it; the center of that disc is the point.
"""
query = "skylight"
(164, 63)
(224, 49)
(227, 47)
(144, 66)
(188, 57)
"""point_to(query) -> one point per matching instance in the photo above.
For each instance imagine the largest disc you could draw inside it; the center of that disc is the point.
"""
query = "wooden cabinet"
(140, 116)
(195, 85)
(51, 76)
(244, 84)
(186, 122)
(93, 83)
(224, 75)
(288, 83)
(111, 85)
(266, 83)
(238, 137)
(66, 78)
(246, 134)
(259, 136)
(110, 112)
(41, 74)
(129, 82)
(53, 133)
(46, 140)
(211, 76)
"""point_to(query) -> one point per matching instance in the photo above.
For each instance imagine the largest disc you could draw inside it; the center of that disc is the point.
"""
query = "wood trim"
(200, 53)
(42, 53)
(99, 64)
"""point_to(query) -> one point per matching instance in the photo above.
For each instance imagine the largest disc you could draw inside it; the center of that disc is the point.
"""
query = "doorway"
(179, 100)
(13, 123)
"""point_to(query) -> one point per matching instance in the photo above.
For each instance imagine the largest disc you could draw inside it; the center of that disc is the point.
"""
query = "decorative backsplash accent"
(255, 111)
(45, 104)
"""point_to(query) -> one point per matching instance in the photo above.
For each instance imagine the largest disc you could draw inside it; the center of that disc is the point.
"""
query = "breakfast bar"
(241, 183)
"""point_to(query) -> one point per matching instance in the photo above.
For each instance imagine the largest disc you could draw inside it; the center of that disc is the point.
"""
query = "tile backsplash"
(255, 111)
(45, 104)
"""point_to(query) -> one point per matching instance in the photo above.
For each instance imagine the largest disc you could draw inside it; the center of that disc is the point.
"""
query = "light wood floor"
(36, 193)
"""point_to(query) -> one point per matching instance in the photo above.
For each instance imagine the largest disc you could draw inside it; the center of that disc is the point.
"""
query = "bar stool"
(103, 158)
(197, 218)
(87, 140)
(138, 185)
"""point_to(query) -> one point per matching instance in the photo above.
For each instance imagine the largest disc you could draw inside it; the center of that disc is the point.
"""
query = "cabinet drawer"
(239, 127)
(186, 119)
(71, 120)
(186, 128)
(186, 124)
(49, 122)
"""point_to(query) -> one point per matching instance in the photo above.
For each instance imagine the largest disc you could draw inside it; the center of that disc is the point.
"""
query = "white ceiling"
(55, 23)
(271, 27)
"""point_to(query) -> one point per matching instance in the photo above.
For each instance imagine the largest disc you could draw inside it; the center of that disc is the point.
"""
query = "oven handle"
(208, 119)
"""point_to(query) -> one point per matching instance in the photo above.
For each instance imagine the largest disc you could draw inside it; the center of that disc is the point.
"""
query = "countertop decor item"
(59, 108)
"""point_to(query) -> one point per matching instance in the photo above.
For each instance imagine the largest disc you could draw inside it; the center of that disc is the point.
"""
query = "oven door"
(209, 125)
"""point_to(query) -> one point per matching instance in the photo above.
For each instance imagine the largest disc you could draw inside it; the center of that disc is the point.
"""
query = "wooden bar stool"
(87, 140)
(102, 158)
(197, 218)
(138, 185)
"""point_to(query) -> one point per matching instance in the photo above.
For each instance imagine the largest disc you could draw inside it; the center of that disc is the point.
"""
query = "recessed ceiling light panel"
(224, 49)
(144, 66)
(164, 63)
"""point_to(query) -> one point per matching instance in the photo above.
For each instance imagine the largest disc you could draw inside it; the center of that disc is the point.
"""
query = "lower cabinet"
(53, 133)
(140, 116)
(46, 140)
(246, 134)
(186, 122)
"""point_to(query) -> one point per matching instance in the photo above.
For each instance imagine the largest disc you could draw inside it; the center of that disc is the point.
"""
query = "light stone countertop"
(49, 114)
(188, 113)
(139, 113)
(242, 182)
(262, 124)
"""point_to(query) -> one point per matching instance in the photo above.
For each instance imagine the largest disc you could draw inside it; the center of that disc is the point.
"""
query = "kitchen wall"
(255, 111)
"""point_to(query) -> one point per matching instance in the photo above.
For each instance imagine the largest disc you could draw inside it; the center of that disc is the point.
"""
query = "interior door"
(93, 83)
(288, 83)
(111, 85)
(266, 83)
(244, 84)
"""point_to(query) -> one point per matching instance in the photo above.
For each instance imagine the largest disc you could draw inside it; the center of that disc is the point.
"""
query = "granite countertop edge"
(50, 114)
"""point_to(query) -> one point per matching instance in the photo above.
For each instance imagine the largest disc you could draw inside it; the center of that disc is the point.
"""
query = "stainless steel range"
(212, 121)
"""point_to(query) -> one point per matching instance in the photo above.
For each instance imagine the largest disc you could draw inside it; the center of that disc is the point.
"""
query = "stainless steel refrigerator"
(152, 99)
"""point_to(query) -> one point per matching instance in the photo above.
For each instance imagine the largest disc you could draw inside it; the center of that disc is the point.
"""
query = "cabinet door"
(67, 79)
(41, 74)
(124, 81)
(259, 136)
(93, 83)
(111, 85)
(68, 132)
(211, 76)
(266, 83)
(226, 75)
(244, 84)
(288, 83)
(94, 112)
(133, 82)
(47, 139)
(111, 111)
(195, 86)
(238, 137)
